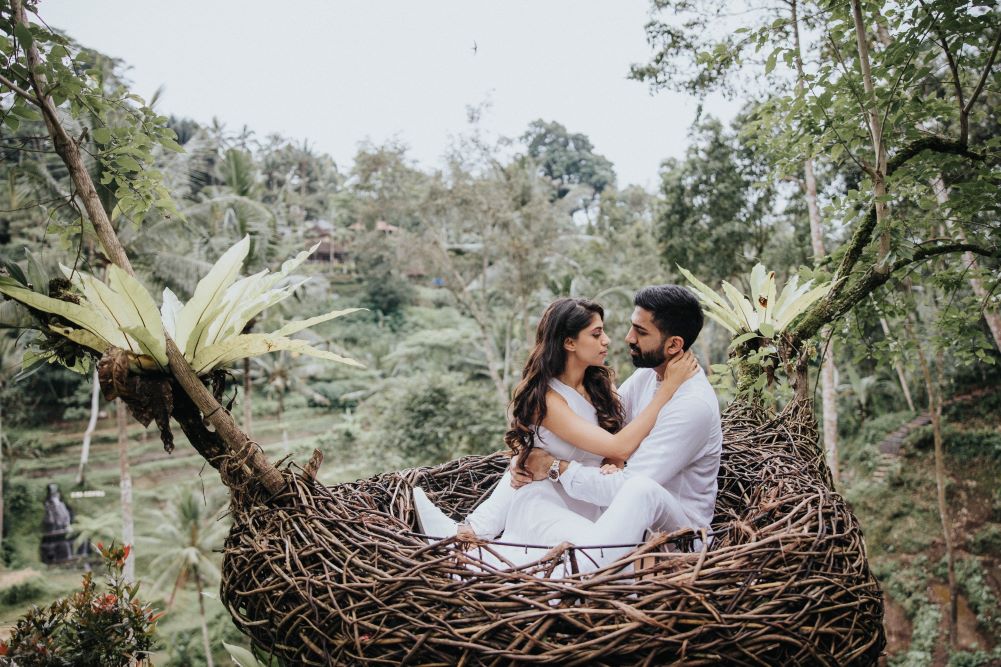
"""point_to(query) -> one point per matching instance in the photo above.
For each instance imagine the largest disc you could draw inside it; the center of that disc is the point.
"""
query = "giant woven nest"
(337, 575)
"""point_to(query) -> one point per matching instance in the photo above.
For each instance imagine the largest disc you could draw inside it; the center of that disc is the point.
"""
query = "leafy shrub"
(973, 582)
(987, 540)
(906, 583)
(984, 408)
(974, 658)
(22, 592)
(962, 443)
(924, 638)
(87, 628)
(21, 509)
(428, 419)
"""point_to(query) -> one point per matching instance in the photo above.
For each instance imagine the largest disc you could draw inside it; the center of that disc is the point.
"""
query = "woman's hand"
(610, 465)
(681, 368)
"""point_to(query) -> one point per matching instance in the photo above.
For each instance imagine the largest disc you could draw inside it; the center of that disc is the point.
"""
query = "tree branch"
(20, 92)
(983, 77)
(936, 145)
(869, 281)
(858, 98)
(863, 233)
(964, 116)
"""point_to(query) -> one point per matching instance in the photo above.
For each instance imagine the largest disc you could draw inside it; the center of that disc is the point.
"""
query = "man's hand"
(537, 467)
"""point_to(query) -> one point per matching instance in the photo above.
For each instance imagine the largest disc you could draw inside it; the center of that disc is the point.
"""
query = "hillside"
(894, 498)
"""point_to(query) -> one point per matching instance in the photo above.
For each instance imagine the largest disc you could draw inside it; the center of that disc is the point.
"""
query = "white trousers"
(538, 513)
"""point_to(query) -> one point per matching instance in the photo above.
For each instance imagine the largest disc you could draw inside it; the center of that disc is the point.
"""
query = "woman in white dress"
(566, 387)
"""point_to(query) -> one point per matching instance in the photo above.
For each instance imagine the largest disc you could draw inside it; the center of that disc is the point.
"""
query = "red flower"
(4, 648)
(105, 602)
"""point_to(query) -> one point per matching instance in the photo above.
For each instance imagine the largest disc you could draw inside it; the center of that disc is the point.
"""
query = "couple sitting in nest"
(573, 434)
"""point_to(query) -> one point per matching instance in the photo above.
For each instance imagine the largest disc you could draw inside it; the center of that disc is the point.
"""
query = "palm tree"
(95, 404)
(861, 388)
(283, 373)
(11, 351)
(189, 530)
(125, 486)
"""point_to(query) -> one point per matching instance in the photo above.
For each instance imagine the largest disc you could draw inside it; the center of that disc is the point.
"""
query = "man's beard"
(650, 359)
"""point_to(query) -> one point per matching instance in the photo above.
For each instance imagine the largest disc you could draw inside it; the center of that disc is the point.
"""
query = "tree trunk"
(95, 397)
(205, 625)
(125, 486)
(933, 385)
(990, 315)
(281, 422)
(829, 401)
(187, 415)
(247, 414)
(828, 372)
(254, 465)
(1, 483)
(878, 171)
(900, 370)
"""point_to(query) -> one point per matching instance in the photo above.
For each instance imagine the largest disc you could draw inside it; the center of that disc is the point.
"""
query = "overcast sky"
(339, 72)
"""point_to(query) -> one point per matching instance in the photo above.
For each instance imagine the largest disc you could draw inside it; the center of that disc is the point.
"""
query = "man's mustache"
(634, 349)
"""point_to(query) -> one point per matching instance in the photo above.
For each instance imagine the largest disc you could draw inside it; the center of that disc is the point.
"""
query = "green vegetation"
(88, 628)
(864, 160)
(903, 532)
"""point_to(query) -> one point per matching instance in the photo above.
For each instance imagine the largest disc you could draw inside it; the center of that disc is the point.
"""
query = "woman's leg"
(430, 519)
(488, 519)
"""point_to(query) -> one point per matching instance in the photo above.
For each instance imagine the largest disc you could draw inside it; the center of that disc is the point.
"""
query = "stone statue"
(57, 547)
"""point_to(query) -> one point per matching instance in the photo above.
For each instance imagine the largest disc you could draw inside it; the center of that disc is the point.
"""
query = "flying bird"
(475, 48)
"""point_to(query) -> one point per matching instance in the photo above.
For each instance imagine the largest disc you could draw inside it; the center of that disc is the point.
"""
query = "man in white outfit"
(670, 481)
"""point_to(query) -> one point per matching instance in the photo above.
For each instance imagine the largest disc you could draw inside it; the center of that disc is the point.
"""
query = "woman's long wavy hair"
(564, 318)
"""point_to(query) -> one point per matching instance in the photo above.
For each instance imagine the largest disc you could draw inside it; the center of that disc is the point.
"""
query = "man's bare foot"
(467, 537)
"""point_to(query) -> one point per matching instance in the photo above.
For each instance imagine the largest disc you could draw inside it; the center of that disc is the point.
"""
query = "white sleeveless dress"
(521, 514)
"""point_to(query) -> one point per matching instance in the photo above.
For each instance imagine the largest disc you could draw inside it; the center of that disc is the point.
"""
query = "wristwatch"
(554, 471)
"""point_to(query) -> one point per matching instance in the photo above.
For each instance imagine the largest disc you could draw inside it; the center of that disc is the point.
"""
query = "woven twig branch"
(322, 576)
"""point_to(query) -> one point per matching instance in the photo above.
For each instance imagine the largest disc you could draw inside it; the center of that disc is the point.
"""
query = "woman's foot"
(431, 521)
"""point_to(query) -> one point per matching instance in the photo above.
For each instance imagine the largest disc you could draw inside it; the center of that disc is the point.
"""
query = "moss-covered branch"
(855, 290)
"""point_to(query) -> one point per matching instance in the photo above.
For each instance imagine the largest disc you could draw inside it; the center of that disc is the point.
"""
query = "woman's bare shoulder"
(553, 395)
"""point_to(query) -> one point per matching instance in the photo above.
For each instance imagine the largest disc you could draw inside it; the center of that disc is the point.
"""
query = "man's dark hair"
(676, 311)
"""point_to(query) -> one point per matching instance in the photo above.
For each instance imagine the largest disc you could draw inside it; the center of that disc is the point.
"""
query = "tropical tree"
(88, 433)
(11, 351)
(189, 531)
(567, 159)
(715, 214)
(863, 100)
(896, 91)
(125, 490)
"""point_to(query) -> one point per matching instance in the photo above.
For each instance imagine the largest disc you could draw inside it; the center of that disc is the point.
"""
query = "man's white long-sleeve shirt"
(681, 453)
